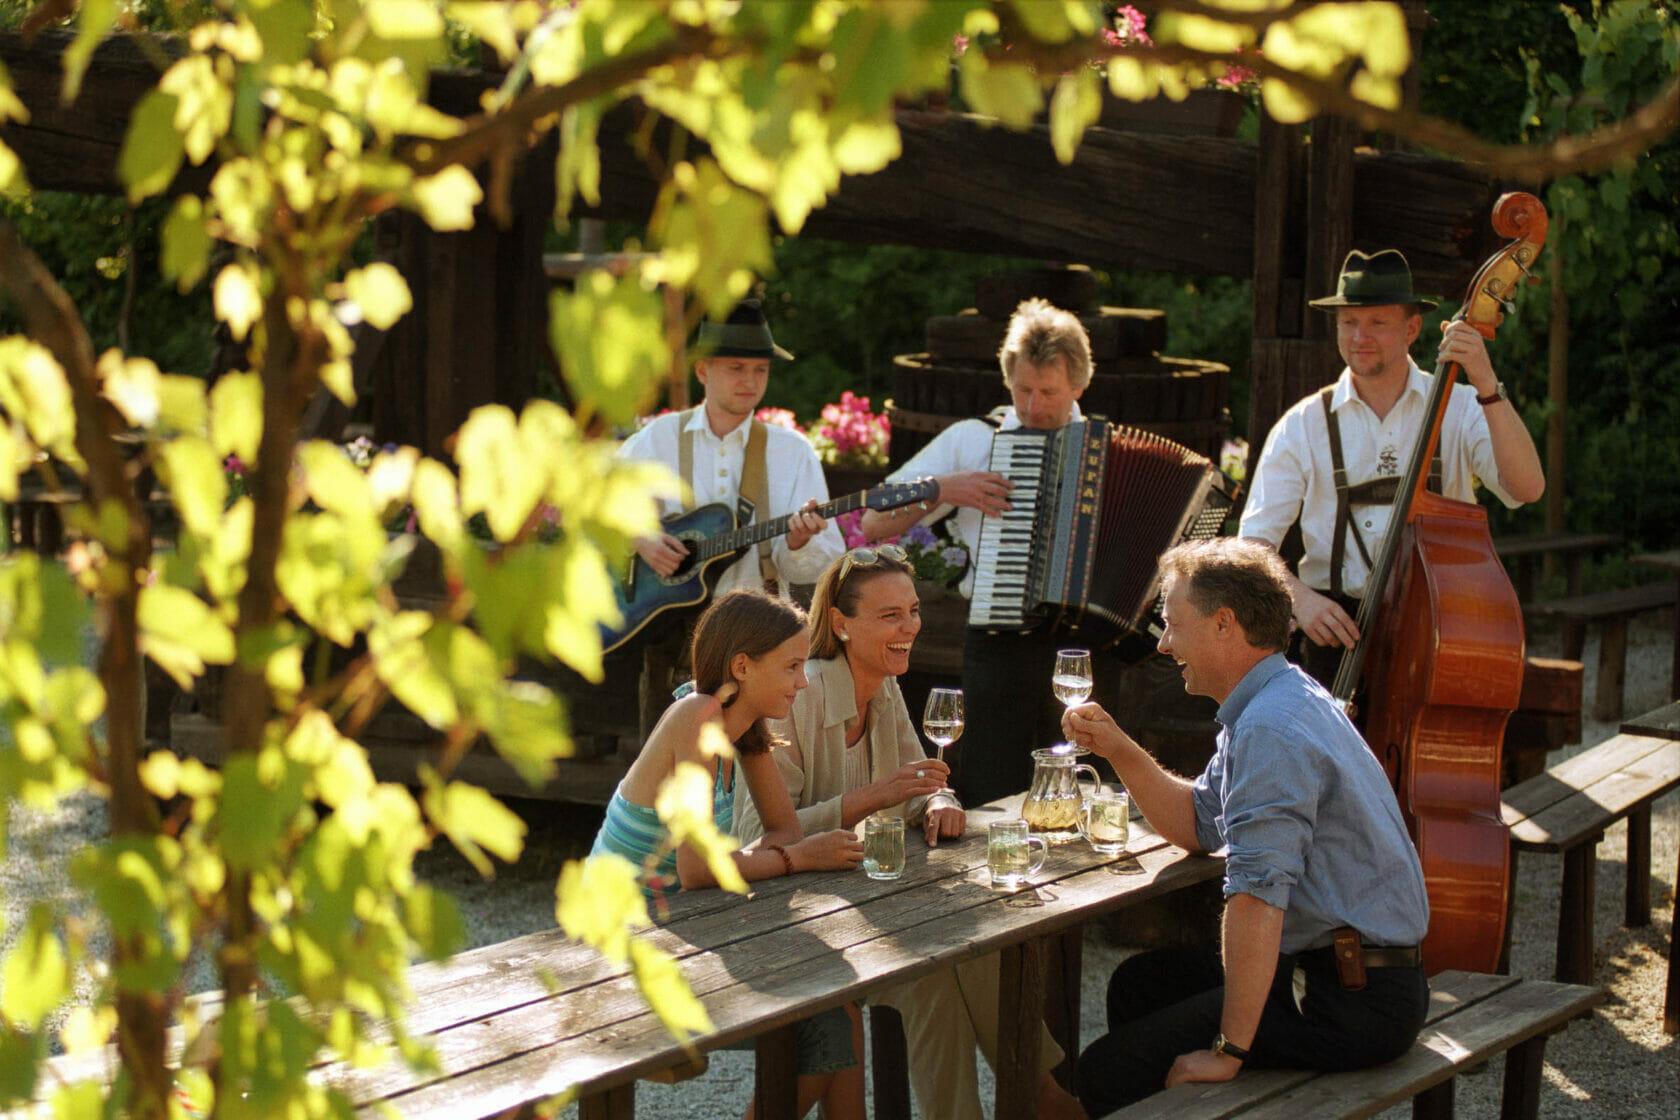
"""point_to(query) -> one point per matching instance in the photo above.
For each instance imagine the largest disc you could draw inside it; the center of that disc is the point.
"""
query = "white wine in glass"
(1071, 680)
(942, 719)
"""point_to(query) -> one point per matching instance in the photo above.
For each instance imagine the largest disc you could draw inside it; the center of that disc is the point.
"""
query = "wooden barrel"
(1182, 399)
(1115, 332)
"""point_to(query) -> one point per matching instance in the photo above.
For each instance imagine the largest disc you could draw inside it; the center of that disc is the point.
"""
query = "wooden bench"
(1520, 554)
(1567, 808)
(1613, 608)
(1472, 1017)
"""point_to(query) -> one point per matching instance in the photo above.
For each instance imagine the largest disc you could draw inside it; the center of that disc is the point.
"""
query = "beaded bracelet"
(787, 860)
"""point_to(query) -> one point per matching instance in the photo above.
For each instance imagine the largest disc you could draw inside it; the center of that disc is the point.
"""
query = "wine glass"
(1071, 679)
(942, 719)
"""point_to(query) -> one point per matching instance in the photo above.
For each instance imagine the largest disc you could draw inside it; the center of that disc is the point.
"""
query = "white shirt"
(964, 446)
(794, 478)
(1295, 476)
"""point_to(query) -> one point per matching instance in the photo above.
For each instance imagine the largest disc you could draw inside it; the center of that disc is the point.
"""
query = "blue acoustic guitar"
(713, 539)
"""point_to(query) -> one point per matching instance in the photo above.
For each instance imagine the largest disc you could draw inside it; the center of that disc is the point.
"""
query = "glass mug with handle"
(883, 846)
(1010, 856)
(1103, 820)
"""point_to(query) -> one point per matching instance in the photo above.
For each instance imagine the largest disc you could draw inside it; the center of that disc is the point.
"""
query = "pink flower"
(1129, 27)
(780, 417)
(848, 433)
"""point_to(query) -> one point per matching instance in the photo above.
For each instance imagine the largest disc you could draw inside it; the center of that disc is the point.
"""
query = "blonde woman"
(848, 750)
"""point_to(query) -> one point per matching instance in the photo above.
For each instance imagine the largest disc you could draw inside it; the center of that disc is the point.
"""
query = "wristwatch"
(1223, 1045)
(1498, 394)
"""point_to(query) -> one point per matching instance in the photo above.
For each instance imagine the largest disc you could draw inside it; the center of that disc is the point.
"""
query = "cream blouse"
(812, 753)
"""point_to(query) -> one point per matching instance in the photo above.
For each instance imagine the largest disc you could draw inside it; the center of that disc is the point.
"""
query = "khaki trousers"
(946, 1015)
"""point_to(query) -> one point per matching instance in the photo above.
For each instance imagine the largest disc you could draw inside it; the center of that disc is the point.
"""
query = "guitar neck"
(749, 535)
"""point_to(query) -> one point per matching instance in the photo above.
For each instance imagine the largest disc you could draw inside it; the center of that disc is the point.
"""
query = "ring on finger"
(919, 774)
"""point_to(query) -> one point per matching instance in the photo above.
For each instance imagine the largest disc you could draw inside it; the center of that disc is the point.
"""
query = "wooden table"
(1520, 553)
(518, 1022)
(1670, 562)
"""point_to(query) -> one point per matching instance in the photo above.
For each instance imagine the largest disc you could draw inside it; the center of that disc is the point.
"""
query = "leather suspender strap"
(685, 456)
(755, 488)
(1374, 492)
(1339, 476)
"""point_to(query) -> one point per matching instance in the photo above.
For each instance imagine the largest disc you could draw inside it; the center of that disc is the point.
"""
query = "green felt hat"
(1373, 280)
(745, 334)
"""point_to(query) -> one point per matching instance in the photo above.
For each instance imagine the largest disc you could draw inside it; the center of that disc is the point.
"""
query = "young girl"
(749, 664)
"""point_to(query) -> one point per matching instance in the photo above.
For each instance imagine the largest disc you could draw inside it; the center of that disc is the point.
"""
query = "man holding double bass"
(1335, 459)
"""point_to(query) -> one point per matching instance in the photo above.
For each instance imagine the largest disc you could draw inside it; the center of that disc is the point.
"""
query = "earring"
(845, 637)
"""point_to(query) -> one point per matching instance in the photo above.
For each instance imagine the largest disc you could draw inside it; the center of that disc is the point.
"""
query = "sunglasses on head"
(869, 557)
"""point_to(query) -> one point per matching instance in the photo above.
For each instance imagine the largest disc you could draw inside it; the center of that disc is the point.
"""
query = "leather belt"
(1392, 956)
(1379, 956)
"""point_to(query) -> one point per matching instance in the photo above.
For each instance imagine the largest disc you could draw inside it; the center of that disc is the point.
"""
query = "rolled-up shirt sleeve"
(804, 483)
(1279, 486)
(1267, 811)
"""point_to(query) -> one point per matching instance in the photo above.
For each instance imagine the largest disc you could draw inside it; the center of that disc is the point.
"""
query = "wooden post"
(478, 332)
(1303, 213)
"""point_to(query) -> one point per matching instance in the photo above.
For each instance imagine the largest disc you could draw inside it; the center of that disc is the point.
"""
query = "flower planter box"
(939, 646)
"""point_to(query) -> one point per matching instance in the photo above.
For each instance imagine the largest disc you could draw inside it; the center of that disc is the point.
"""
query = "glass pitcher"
(1054, 801)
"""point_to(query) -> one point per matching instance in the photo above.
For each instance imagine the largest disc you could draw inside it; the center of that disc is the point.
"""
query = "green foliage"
(846, 310)
(106, 257)
(1616, 244)
(293, 860)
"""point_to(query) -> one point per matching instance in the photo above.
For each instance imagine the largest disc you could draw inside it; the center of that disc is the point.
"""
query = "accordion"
(1095, 505)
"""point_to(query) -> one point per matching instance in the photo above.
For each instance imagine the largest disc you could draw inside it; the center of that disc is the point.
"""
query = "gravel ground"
(1618, 1065)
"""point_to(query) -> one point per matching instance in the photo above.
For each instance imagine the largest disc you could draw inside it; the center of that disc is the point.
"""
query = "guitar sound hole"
(685, 570)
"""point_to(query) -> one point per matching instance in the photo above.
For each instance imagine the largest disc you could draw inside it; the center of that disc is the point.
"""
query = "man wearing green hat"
(1362, 430)
(724, 456)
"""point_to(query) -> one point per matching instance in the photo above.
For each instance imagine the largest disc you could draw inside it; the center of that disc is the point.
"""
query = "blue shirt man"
(1306, 815)
(1318, 965)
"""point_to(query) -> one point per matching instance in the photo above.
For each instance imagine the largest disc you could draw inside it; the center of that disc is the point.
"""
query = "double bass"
(1441, 652)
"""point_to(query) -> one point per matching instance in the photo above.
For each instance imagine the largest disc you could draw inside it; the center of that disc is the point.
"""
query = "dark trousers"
(1010, 709)
(1168, 1002)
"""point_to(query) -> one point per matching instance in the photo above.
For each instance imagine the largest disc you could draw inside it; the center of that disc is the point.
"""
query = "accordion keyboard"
(1005, 549)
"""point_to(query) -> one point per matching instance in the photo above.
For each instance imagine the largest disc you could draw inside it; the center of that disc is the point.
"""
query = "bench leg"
(1436, 1102)
(1504, 965)
(775, 1075)
(1612, 661)
(1020, 1010)
(1575, 913)
(1638, 911)
(1523, 1065)
(617, 1103)
(888, 1057)
(1671, 1000)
